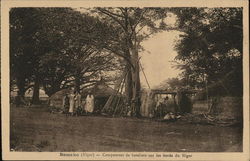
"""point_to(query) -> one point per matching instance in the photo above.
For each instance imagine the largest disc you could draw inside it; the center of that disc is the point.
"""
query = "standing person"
(165, 101)
(165, 108)
(66, 104)
(89, 107)
(78, 103)
(161, 106)
(84, 105)
(158, 108)
(71, 103)
(92, 103)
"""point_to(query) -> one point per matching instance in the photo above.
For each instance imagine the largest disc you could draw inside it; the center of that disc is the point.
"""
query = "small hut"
(101, 92)
(153, 104)
(150, 101)
(56, 100)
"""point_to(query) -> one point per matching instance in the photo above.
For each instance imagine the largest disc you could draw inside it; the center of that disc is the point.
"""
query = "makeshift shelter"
(101, 92)
(148, 103)
(152, 98)
(56, 100)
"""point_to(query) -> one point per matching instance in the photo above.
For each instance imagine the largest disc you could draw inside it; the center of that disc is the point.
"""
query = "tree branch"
(121, 55)
(144, 11)
(112, 15)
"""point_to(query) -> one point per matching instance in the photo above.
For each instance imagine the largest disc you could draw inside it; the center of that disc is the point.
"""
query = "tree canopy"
(56, 50)
(133, 26)
(59, 48)
(211, 45)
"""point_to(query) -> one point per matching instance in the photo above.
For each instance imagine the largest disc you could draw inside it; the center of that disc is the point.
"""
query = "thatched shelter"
(56, 100)
(100, 89)
(101, 92)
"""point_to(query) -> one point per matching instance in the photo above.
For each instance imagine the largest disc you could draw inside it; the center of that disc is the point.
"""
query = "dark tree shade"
(211, 46)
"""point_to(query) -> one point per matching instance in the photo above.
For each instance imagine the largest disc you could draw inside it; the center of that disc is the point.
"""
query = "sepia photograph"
(126, 79)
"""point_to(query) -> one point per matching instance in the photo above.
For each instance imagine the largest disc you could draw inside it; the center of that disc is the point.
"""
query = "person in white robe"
(71, 103)
(89, 106)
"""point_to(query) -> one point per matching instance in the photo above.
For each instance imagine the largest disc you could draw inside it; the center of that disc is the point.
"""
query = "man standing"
(71, 103)
(78, 103)
(66, 104)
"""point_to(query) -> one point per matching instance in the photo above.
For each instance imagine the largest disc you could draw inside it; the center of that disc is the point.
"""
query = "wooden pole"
(144, 75)
(111, 98)
(119, 97)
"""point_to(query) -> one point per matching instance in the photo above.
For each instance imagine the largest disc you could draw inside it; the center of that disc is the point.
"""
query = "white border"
(6, 4)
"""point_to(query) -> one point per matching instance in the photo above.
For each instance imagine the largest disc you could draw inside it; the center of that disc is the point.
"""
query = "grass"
(43, 144)
(35, 129)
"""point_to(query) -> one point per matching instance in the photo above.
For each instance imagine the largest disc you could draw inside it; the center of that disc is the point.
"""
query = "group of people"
(74, 105)
(162, 110)
(160, 107)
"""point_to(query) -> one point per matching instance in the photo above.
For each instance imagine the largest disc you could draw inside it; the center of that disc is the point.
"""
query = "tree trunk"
(136, 97)
(128, 85)
(36, 88)
(21, 87)
(77, 83)
(53, 88)
(19, 100)
(132, 85)
(50, 92)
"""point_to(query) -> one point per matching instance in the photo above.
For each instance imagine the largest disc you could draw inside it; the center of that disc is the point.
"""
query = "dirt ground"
(35, 129)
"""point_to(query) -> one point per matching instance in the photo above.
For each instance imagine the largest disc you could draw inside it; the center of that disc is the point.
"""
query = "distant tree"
(173, 84)
(211, 43)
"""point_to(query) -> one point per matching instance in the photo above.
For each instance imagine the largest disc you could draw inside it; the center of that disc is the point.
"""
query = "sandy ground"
(35, 129)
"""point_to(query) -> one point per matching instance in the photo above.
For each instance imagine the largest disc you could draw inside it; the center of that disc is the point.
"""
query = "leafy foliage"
(133, 25)
(59, 47)
(211, 44)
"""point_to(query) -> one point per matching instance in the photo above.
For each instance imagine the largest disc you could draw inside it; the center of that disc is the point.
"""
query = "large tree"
(56, 50)
(133, 26)
(79, 59)
(23, 51)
